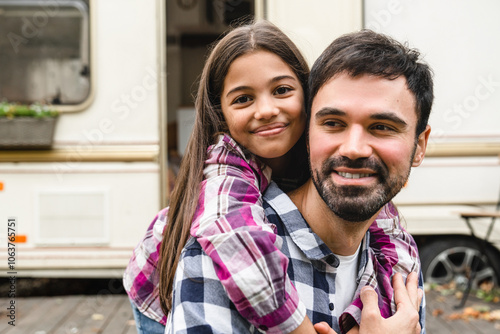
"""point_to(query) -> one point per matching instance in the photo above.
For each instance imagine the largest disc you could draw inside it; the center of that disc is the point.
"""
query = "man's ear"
(422, 140)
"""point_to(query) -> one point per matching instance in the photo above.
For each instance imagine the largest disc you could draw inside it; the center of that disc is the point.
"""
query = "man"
(369, 103)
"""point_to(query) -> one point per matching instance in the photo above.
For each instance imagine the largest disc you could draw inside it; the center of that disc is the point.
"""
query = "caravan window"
(45, 51)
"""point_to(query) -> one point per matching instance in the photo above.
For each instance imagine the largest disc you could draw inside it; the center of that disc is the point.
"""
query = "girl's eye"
(282, 90)
(242, 100)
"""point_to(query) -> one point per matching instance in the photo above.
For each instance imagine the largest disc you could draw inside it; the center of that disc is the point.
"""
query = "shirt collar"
(225, 142)
(302, 235)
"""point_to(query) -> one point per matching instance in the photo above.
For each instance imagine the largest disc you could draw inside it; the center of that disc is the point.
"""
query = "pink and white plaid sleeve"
(141, 278)
(392, 250)
(231, 227)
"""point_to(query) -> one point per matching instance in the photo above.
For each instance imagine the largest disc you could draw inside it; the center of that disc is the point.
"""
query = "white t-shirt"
(345, 281)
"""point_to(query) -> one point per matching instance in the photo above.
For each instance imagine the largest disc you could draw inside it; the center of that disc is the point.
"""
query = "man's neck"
(341, 236)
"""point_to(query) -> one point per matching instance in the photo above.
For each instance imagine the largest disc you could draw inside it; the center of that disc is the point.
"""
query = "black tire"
(449, 259)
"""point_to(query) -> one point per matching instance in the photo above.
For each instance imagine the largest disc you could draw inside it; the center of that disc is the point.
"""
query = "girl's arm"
(141, 278)
(231, 227)
(392, 250)
(395, 251)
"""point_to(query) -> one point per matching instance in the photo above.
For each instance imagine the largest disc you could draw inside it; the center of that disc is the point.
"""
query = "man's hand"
(406, 318)
(404, 321)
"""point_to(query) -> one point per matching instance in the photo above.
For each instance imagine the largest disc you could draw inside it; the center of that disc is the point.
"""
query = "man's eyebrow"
(389, 116)
(382, 116)
(328, 111)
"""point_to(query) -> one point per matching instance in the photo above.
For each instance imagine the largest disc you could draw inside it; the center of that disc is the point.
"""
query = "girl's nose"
(266, 108)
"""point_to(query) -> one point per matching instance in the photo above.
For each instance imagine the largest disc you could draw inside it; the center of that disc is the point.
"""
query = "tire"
(449, 259)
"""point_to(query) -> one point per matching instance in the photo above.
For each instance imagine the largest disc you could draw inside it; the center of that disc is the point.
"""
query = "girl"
(250, 120)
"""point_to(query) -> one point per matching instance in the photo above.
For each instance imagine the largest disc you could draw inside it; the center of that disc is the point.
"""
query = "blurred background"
(96, 107)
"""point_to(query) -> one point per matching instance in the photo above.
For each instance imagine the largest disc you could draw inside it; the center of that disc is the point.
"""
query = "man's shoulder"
(277, 199)
(201, 304)
(193, 254)
(194, 263)
(278, 207)
(196, 276)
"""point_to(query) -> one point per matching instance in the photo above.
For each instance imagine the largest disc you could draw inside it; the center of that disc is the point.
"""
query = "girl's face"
(263, 104)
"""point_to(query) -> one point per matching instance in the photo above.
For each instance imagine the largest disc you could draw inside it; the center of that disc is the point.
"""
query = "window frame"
(89, 25)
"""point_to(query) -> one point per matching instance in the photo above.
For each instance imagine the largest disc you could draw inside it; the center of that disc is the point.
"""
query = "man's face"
(362, 143)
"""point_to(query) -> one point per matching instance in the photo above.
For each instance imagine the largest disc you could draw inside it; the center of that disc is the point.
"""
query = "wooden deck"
(443, 318)
(112, 314)
(70, 314)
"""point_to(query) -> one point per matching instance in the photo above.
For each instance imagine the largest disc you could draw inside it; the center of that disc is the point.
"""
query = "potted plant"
(26, 127)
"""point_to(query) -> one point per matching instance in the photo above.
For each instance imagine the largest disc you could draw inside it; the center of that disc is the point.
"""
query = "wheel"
(450, 259)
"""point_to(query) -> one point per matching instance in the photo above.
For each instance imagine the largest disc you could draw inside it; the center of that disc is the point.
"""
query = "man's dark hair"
(368, 52)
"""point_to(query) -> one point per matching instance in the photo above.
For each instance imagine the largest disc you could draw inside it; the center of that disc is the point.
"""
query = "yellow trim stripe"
(95, 154)
(462, 149)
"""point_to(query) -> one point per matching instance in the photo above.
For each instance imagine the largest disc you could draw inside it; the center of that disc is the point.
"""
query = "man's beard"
(357, 203)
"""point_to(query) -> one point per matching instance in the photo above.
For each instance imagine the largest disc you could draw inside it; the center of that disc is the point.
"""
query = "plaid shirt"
(241, 242)
(202, 306)
(140, 278)
(230, 225)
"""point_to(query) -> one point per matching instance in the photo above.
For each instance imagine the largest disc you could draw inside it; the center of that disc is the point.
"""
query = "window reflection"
(44, 51)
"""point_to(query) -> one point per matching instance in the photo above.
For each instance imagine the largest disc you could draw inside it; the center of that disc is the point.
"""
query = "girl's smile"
(270, 129)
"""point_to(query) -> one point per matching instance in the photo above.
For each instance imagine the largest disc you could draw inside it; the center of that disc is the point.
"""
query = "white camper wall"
(84, 205)
(125, 55)
(460, 41)
(313, 25)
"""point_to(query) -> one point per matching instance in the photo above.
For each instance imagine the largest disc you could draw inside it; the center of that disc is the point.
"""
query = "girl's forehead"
(259, 58)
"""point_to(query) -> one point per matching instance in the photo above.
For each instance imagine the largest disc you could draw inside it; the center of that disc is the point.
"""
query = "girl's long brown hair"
(210, 122)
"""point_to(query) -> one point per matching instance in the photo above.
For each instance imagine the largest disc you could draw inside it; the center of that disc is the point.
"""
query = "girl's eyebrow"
(275, 79)
(281, 77)
(235, 89)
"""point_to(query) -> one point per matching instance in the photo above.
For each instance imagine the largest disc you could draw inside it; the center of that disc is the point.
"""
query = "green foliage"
(36, 110)
(489, 293)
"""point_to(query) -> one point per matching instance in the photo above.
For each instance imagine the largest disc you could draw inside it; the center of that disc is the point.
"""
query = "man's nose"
(356, 144)
(266, 108)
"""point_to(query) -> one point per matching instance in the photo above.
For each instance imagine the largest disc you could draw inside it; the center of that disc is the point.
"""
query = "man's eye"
(282, 90)
(242, 100)
(382, 127)
(332, 124)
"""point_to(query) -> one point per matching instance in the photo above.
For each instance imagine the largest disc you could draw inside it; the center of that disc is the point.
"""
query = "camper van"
(122, 74)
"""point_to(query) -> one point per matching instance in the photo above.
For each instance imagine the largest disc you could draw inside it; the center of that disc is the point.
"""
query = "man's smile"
(354, 175)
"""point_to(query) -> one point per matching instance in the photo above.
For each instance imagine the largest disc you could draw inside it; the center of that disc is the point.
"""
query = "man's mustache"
(366, 163)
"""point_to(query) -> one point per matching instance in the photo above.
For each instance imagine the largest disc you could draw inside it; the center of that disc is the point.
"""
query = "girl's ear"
(422, 140)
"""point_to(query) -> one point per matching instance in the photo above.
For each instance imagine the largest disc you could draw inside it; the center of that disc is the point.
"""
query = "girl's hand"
(324, 328)
(406, 318)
